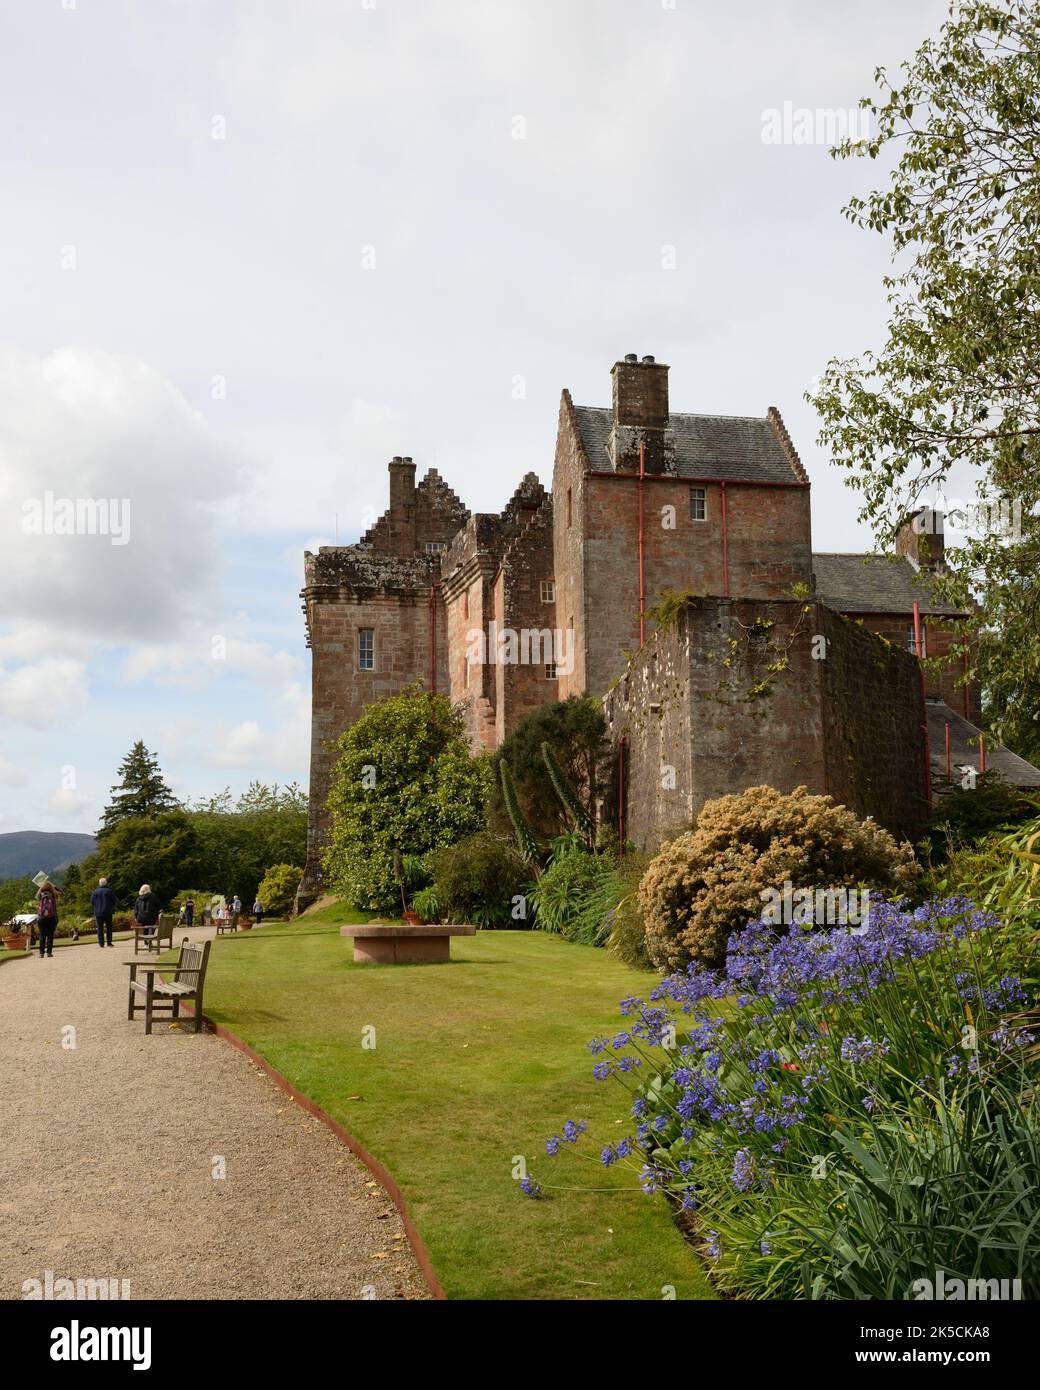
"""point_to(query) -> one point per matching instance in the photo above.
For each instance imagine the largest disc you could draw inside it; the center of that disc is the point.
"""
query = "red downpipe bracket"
(642, 568)
(725, 543)
(924, 706)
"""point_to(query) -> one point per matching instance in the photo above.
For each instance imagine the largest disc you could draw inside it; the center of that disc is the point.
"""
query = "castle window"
(698, 504)
(570, 512)
(366, 649)
(550, 670)
(548, 591)
(911, 640)
(434, 547)
(465, 604)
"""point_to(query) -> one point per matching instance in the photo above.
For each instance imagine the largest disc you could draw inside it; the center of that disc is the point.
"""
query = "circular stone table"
(377, 944)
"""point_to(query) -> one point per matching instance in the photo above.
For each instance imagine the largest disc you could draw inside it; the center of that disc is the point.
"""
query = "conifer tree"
(141, 791)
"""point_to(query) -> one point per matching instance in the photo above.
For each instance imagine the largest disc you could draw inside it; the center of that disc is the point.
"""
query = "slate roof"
(964, 750)
(874, 584)
(736, 448)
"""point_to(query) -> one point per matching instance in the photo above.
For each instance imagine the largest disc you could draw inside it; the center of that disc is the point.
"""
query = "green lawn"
(475, 1062)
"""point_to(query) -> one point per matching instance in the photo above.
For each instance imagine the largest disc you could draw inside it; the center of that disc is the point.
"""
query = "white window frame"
(911, 641)
(699, 495)
(547, 590)
(370, 633)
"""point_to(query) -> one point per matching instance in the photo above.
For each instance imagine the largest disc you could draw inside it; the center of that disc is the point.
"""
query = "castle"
(773, 664)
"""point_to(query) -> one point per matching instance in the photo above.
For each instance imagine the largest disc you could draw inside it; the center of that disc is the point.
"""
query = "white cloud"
(84, 424)
(284, 744)
(44, 692)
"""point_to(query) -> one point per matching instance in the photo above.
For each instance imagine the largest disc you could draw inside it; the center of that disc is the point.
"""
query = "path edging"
(381, 1174)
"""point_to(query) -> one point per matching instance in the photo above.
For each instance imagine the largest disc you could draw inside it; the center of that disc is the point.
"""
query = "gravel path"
(109, 1151)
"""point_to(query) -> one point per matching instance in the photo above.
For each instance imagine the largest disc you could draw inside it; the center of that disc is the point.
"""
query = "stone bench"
(377, 944)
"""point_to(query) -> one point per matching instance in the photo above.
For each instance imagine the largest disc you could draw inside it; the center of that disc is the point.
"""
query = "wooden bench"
(226, 924)
(162, 998)
(378, 944)
(150, 939)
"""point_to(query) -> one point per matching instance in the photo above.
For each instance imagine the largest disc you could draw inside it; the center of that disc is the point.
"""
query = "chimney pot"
(631, 357)
(649, 361)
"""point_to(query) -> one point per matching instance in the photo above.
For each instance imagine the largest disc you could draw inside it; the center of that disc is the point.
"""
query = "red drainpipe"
(433, 639)
(949, 777)
(967, 701)
(725, 544)
(621, 794)
(642, 573)
(924, 705)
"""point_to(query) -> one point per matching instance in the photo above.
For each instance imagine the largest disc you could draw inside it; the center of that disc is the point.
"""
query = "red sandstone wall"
(769, 551)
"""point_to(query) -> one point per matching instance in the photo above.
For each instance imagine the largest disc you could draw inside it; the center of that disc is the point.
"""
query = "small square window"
(911, 640)
(366, 649)
(548, 591)
(434, 547)
(550, 670)
(698, 504)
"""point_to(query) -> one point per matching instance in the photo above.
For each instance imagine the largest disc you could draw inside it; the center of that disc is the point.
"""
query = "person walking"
(189, 912)
(103, 905)
(47, 916)
(236, 910)
(146, 909)
(258, 912)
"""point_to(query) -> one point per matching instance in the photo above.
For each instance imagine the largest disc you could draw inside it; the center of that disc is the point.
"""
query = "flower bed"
(841, 1115)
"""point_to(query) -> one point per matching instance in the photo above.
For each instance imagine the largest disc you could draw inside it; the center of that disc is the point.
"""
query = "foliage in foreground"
(952, 390)
(709, 882)
(843, 1114)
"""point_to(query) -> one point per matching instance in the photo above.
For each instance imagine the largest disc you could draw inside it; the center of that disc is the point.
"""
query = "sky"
(251, 251)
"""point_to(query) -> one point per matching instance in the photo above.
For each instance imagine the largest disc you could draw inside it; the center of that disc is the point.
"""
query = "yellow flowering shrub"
(709, 881)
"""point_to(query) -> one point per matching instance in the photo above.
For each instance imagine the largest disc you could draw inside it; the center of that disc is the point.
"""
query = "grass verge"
(474, 1064)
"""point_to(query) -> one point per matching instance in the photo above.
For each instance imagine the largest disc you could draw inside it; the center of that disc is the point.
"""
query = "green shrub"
(577, 894)
(708, 883)
(963, 815)
(277, 890)
(576, 732)
(427, 904)
(479, 880)
(404, 780)
(201, 896)
(627, 931)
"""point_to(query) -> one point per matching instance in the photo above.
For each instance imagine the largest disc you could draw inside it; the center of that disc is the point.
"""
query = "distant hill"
(26, 851)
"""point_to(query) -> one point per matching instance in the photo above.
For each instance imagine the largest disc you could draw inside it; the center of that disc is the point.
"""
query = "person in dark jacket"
(103, 905)
(189, 912)
(47, 920)
(146, 909)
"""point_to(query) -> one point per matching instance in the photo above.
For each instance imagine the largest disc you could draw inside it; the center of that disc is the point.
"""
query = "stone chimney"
(922, 540)
(640, 407)
(402, 506)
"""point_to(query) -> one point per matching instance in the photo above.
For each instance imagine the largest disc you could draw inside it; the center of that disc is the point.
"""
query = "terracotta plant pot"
(413, 919)
(245, 926)
(16, 943)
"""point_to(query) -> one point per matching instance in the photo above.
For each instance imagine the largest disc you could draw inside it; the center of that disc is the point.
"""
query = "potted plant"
(412, 918)
(16, 935)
